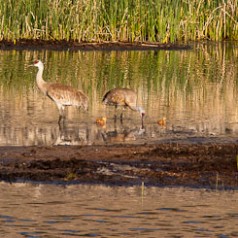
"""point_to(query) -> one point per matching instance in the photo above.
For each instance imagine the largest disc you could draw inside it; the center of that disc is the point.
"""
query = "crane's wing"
(114, 98)
(67, 96)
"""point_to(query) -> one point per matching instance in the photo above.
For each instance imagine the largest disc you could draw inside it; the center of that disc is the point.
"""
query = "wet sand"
(209, 165)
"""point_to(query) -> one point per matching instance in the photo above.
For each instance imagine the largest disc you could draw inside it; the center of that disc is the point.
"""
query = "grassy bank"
(120, 20)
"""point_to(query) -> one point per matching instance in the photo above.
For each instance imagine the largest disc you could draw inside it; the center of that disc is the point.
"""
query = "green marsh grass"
(124, 20)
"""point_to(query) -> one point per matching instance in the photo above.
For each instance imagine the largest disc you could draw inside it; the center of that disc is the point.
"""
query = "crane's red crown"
(36, 61)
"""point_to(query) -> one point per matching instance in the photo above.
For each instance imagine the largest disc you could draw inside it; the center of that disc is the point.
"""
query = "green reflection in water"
(194, 89)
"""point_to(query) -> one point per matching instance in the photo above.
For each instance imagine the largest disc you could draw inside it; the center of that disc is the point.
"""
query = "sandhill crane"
(124, 97)
(62, 95)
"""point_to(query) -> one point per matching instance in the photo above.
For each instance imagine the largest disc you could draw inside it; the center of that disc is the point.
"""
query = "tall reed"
(124, 20)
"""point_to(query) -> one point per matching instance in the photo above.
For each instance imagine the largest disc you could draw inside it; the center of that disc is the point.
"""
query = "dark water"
(102, 211)
(195, 90)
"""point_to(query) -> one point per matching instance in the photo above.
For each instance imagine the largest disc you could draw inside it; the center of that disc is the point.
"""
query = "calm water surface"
(195, 90)
(28, 210)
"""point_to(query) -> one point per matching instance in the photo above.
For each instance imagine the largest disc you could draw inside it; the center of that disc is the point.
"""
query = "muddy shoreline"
(203, 165)
(25, 44)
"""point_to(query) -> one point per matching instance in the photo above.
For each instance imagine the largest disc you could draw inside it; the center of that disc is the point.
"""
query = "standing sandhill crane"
(62, 95)
(124, 97)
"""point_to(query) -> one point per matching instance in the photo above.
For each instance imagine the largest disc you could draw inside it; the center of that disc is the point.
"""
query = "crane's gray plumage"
(62, 95)
(124, 97)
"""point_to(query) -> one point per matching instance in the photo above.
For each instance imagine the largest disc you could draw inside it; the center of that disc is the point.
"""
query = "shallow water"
(29, 210)
(195, 90)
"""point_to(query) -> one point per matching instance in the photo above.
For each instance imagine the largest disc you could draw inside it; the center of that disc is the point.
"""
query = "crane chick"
(62, 95)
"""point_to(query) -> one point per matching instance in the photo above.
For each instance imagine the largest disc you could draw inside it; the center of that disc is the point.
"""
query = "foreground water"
(28, 210)
(195, 90)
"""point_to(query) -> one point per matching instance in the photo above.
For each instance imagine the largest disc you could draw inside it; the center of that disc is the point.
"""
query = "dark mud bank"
(63, 45)
(205, 165)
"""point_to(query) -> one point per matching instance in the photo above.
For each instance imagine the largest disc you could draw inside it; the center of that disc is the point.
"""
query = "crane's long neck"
(135, 108)
(40, 81)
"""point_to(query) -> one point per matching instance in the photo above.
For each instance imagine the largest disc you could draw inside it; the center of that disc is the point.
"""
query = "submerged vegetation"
(125, 20)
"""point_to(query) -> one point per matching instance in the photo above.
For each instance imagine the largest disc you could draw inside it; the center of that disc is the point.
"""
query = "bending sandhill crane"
(124, 97)
(62, 95)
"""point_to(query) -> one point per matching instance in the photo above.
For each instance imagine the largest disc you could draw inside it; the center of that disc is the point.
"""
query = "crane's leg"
(61, 120)
(115, 114)
(142, 122)
(62, 127)
(121, 118)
